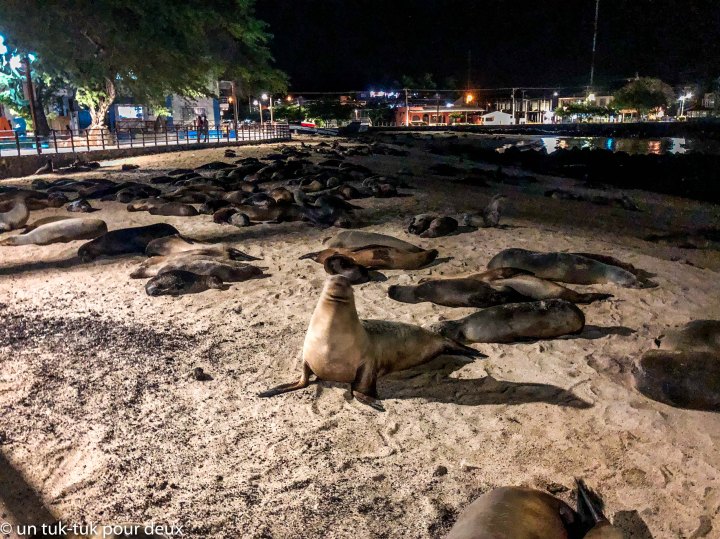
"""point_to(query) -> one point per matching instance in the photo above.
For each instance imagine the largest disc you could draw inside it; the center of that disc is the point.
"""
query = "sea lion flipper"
(236, 254)
(373, 403)
(292, 386)
(591, 297)
(364, 387)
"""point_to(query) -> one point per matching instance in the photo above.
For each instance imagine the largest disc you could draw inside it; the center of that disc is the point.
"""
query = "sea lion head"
(337, 289)
(430, 255)
(87, 252)
(345, 266)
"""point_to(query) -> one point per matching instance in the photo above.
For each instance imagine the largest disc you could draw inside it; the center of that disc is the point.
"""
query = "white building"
(497, 118)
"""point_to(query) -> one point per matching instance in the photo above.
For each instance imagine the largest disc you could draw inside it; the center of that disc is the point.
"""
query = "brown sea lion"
(60, 232)
(340, 347)
(378, 257)
(124, 241)
(145, 204)
(514, 322)
(564, 267)
(179, 282)
(465, 292)
(80, 206)
(515, 513)
(16, 216)
(590, 510)
(177, 244)
(174, 208)
(695, 336)
(342, 265)
(352, 239)
(536, 288)
(227, 271)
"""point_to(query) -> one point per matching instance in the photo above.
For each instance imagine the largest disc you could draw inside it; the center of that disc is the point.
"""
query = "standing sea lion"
(515, 322)
(124, 241)
(564, 267)
(515, 513)
(352, 239)
(378, 257)
(16, 217)
(340, 347)
(61, 231)
(177, 244)
(178, 282)
(342, 265)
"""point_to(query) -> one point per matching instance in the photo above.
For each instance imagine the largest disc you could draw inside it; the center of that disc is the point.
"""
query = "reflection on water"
(628, 145)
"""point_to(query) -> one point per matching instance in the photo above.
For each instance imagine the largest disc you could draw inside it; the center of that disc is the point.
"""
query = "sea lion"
(223, 215)
(16, 217)
(80, 206)
(124, 241)
(466, 292)
(441, 226)
(564, 267)
(590, 510)
(489, 217)
(145, 204)
(352, 239)
(515, 322)
(239, 220)
(695, 336)
(44, 221)
(225, 269)
(177, 244)
(60, 232)
(340, 347)
(538, 289)
(152, 266)
(378, 257)
(680, 378)
(174, 208)
(179, 282)
(516, 513)
(420, 223)
(345, 266)
(211, 206)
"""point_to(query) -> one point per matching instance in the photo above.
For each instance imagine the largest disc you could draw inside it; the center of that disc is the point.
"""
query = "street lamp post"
(235, 106)
(437, 109)
(258, 104)
(682, 102)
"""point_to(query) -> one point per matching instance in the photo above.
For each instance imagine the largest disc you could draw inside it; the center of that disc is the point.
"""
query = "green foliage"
(291, 113)
(144, 48)
(384, 114)
(328, 110)
(644, 95)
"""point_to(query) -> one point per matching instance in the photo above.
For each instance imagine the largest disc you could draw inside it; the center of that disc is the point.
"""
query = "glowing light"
(555, 94)
(289, 98)
(449, 105)
(3, 48)
(264, 97)
(469, 98)
(256, 102)
(15, 62)
(591, 97)
(230, 100)
(32, 57)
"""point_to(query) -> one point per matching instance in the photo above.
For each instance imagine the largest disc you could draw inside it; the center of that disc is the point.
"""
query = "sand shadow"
(632, 524)
(592, 332)
(19, 499)
(437, 262)
(435, 385)
(30, 267)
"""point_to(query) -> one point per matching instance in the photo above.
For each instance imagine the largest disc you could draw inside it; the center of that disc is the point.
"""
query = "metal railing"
(14, 143)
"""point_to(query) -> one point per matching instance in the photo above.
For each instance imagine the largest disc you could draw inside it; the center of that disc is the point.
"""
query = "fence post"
(17, 142)
(102, 137)
(177, 136)
(167, 143)
(87, 138)
(142, 133)
(72, 141)
(55, 140)
(37, 143)
(187, 136)
(130, 135)
(117, 137)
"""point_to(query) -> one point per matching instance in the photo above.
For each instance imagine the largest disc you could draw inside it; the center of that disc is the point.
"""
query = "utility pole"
(524, 105)
(513, 104)
(31, 99)
(407, 109)
(437, 111)
(235, 106)
(594, 45)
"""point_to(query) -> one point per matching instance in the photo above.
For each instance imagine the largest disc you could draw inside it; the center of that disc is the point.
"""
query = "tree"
(644, 95)
(144, 48)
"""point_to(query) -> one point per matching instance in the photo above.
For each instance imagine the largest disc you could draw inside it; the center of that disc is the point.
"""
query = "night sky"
(337, 45)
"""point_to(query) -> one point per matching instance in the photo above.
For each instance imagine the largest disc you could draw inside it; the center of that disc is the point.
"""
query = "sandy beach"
(102, 417)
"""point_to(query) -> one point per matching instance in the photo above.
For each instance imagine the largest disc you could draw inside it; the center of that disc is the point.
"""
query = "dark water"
(629, 145)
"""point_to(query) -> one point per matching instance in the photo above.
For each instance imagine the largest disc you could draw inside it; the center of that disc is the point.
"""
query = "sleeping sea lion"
(441, 226)
(515, 322)
(378, 257)
(340, 347)
(352, 239)
(175, 209)
(225, 269)
(564, 267)
(695, 336)
(15, 217)
(61, 231)
(80, 206)
(124, 241)
(536, 288)
(179, 282)
(465, 292)
(177, 244)
(515, 513)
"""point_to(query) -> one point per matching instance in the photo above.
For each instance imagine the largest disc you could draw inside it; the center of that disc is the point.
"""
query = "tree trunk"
(97, 115)
(42, 128)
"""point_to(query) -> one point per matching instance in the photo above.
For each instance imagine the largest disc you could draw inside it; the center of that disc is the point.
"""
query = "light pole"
(407, 110)
(437, 109)
(258, 104)
(682, 102)
(265, 97)
(235, 106)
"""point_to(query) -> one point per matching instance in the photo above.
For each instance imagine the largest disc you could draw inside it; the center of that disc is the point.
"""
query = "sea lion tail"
(236, 254)
(8, 241)
(454, 347)
(405, 294)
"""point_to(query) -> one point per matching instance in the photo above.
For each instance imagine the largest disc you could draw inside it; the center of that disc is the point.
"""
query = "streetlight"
(265, 98)
(258, 104)
(682, 102)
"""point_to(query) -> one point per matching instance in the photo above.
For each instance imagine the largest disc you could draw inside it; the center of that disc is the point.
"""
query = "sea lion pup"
(466, 292)
(60, 232)
(538, 289)
(680, 378)
(695, 336)
(564, 267)
(177, 244)
(174, 208)
(378, 257)
(80, 206)
(179, 282)
(16, 216)
(342, 265)
(124, 241)
(441, 226)
(516, 513)
(420, 223)
(489, 217)
(339, 347)
(515, 322)
(590, 511)
(352, 239)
